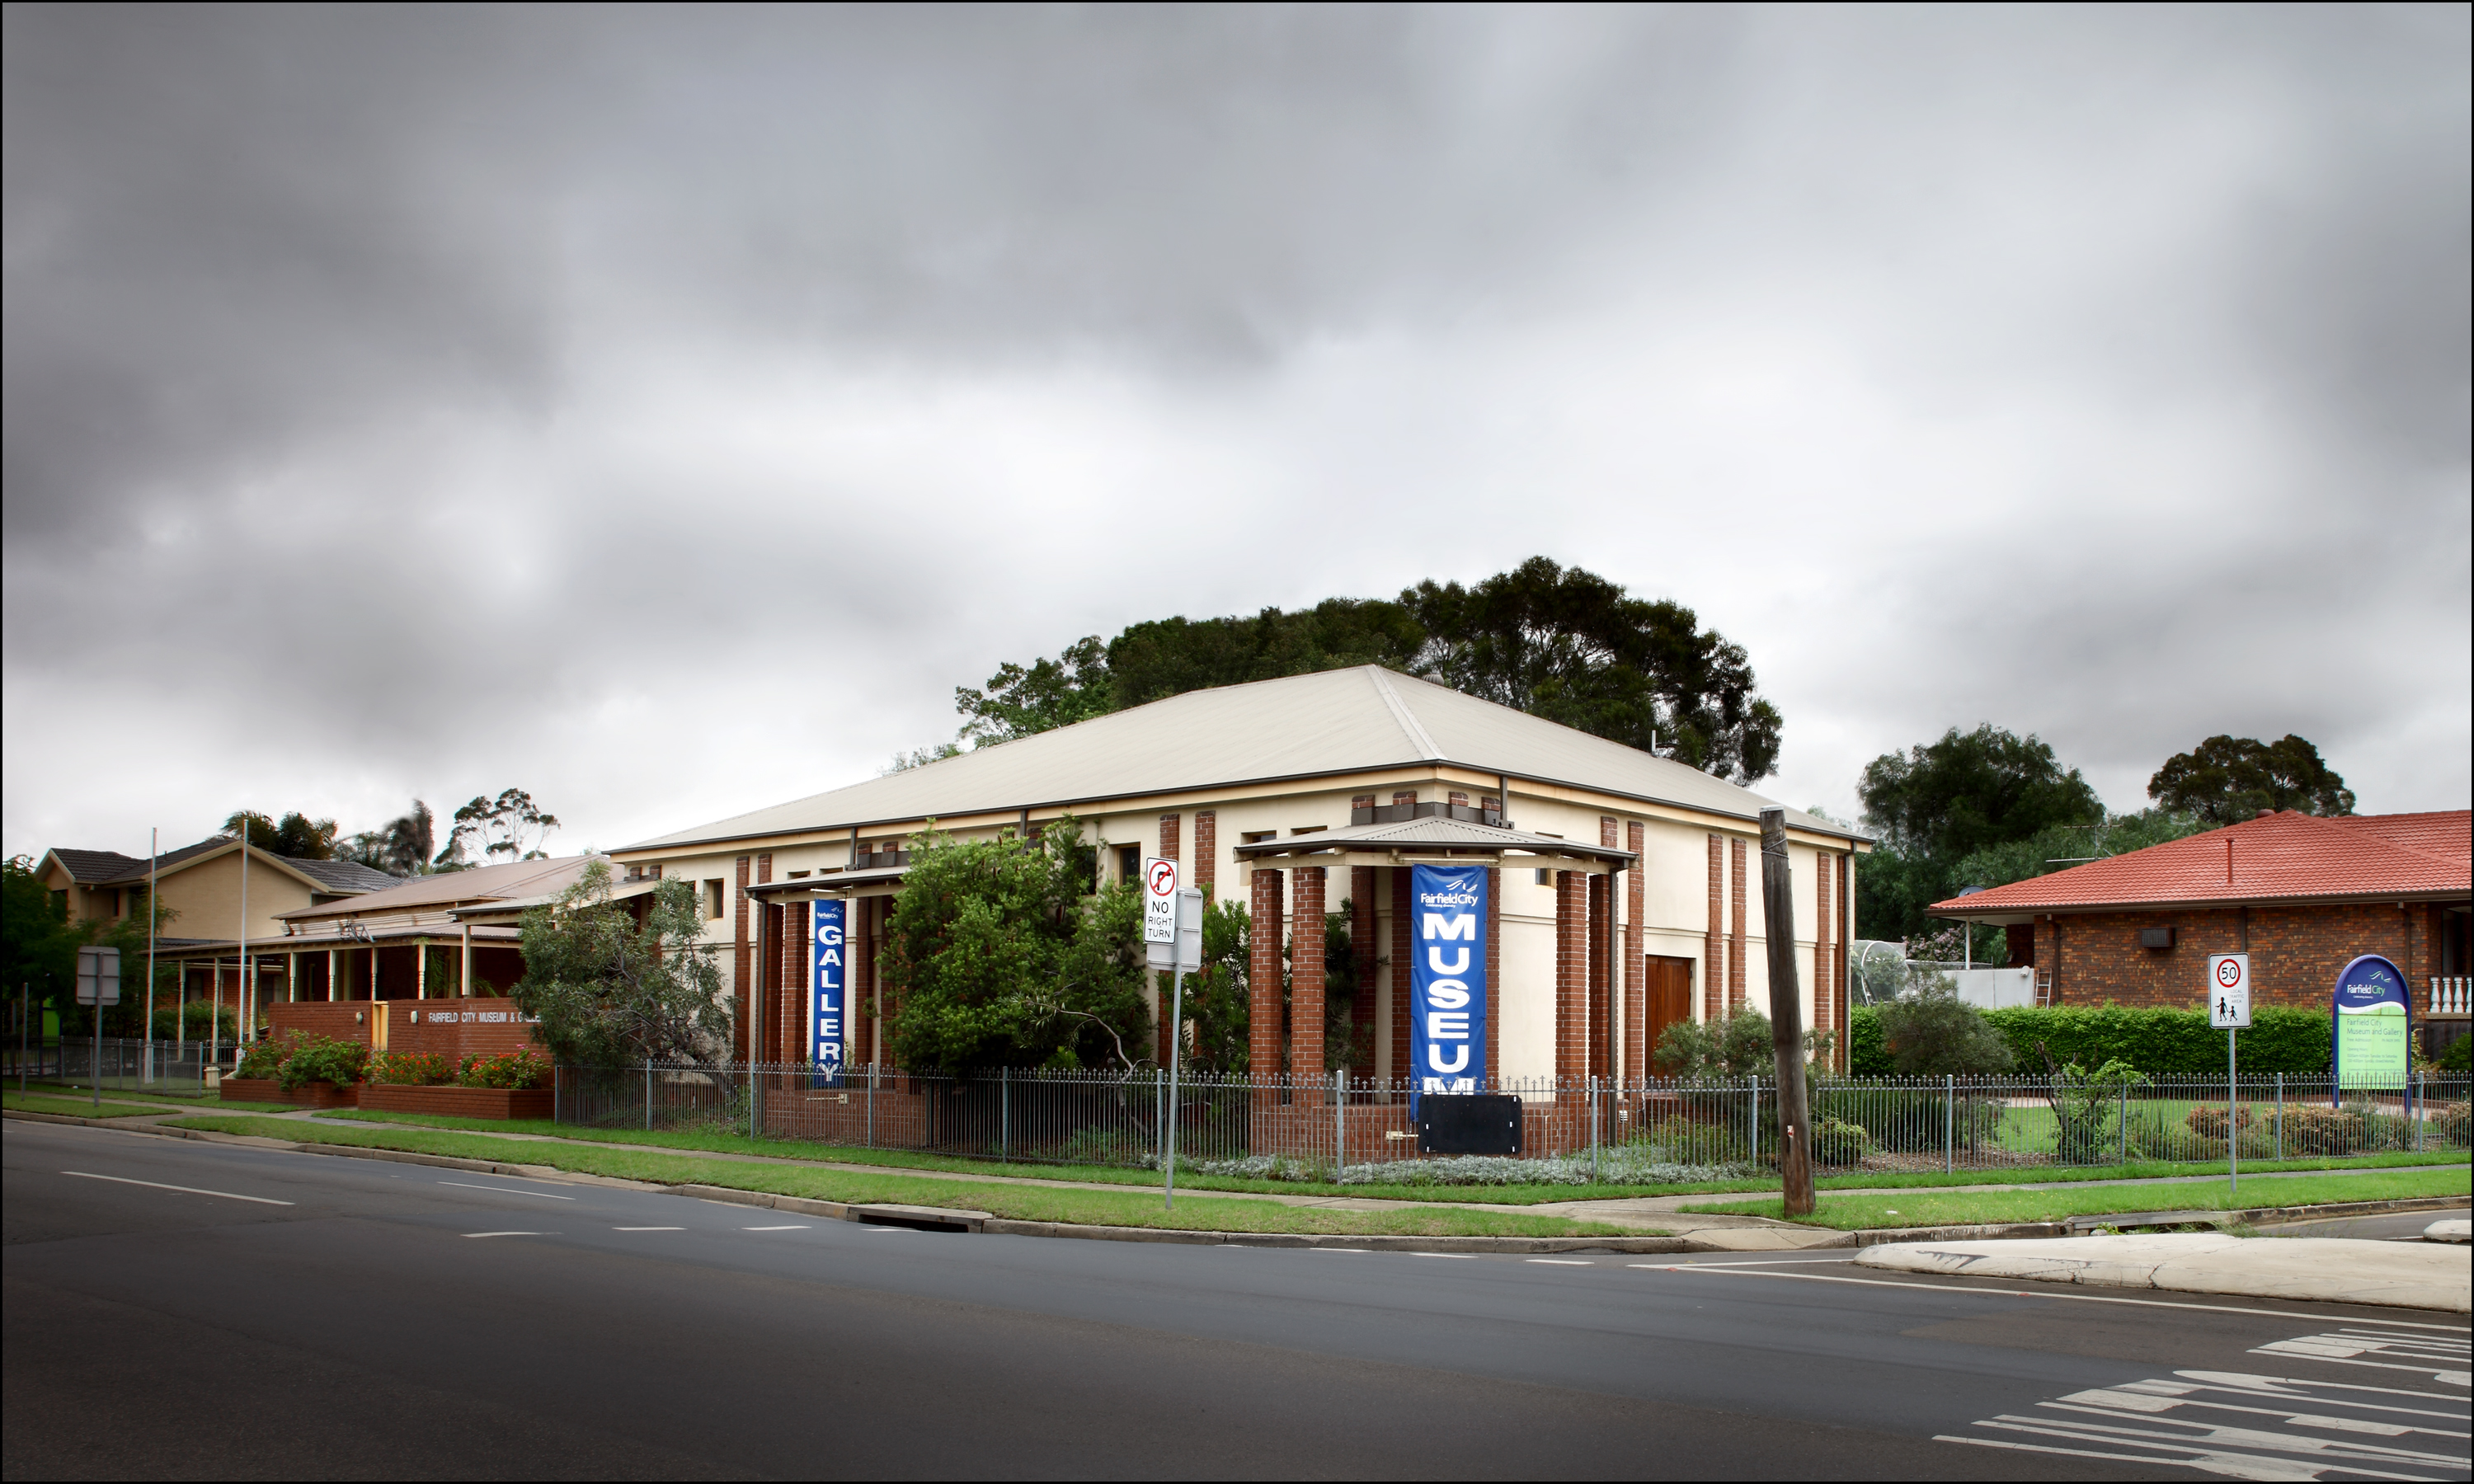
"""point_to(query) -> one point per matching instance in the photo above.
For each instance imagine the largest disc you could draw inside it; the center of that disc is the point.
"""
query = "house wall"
(2296, 952)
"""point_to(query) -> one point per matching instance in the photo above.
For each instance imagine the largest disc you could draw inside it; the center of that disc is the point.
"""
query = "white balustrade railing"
(2451, 996)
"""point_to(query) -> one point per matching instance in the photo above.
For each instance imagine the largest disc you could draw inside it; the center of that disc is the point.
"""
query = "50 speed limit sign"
(2229, 992)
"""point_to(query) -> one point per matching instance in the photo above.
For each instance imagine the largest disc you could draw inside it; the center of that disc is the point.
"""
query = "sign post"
(98, 984)
(2229, 1010)
(1172, 941)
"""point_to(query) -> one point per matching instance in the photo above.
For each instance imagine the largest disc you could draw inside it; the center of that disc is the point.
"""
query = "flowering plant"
(512, 1069)
(411, 1068)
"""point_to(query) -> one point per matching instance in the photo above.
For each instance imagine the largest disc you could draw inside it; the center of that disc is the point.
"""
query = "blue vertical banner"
(825, 1009)
(1448, 981)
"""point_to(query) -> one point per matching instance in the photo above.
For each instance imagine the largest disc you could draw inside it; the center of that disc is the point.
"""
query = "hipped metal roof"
(1335, 722)
(1430, 837)
(2287, 857)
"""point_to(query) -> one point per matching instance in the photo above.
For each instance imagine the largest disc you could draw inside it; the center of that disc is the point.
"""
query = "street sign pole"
(2229, 1010)
(98, 984)
(1165, 933)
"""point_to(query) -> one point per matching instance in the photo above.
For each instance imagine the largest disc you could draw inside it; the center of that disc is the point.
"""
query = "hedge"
(2294, 1042)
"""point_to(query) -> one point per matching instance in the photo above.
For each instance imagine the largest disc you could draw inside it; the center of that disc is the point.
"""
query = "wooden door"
(1667, 986)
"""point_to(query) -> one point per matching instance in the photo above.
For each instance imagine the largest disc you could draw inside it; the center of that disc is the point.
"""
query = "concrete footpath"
(2338, 1270)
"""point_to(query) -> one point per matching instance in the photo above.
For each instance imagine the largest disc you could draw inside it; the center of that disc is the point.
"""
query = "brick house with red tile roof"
(2302, 895)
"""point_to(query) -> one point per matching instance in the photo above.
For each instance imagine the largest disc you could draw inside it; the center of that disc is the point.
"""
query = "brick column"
(1635, 1013)
(1206, 854)
(740, 988)
(1601, 907)
(1846, 936)
(1571, 976)
(1713, 945)
(768, 973)
(1306, 975)
(1363, 953)
(1735, 986)
(1403, 946)
(791, 1021)
(1263, 977)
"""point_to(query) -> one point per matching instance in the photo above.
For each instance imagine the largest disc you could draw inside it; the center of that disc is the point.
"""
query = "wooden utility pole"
(1786, 1015)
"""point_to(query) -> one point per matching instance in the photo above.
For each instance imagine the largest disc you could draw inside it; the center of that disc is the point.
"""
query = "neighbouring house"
(2302, 895)
(201, 886)
(1623, 889)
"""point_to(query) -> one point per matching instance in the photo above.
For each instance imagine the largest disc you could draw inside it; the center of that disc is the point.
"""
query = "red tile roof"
(2274, 857)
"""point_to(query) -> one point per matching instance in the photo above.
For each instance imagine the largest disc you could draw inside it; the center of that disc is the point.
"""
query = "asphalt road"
(359, 1319)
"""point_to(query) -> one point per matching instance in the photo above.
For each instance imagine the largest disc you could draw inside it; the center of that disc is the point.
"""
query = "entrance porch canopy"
(1435, 842)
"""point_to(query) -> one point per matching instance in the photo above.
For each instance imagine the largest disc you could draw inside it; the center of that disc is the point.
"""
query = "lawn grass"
(713, 1141)
(1023, 1203)
(77, 1106)
(1970, 1207)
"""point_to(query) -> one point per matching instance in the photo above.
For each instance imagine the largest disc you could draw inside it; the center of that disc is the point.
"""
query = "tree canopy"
(1557, 642)
(1000, 952)
(1940, 803)
(2226, 779)
(508, 827)
(614, 991)
(295, 836)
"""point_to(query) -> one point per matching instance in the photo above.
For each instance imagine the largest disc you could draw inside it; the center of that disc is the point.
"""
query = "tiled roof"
(345, 875)
(452, 888)
(93, 868)
(1299, 726)
(2276, 857)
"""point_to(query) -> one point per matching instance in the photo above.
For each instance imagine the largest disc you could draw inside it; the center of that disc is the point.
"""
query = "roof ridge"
(1416, 731)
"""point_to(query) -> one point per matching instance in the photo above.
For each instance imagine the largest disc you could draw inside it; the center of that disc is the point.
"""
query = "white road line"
(1463, 1256)
(510, 1233)
(507, 1190)
(157, 1184)
(1355, 1249)
(1761, 1262)
(2003, 1293)
(773, 1229)
(1563, 1262)
(648, 1229)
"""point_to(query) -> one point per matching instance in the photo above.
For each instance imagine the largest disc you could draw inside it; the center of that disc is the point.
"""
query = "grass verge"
(78, 1107)
(1021, 1203)
(709, 1142)
(1966, 1207)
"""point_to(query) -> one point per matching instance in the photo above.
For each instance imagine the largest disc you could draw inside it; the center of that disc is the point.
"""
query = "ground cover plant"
(1971, 1207)
(1017, 1201)
(1407, 1181)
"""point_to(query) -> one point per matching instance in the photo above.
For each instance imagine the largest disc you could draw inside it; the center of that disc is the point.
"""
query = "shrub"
(2210, 1122)
(1839, 1143)
(2458, 1056)
(1680, 1141)
(2456, 1123)
(196, 1020)
(410, 1068)
(2314, 1130)
(2292, 1041)
(1936, 1034)
(1867, 1055)
(323, 1059)
(263, 1061)
(1911, 1121)
(510, 1069)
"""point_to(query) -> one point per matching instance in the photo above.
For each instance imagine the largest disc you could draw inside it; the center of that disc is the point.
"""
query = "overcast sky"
(664, 411)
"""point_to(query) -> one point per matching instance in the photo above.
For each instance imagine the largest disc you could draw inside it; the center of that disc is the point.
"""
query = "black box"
(1464, 1123)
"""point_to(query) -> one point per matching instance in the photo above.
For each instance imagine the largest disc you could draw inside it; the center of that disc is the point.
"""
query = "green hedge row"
(2294, 1042)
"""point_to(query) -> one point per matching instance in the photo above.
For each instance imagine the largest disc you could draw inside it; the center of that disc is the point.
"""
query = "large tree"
(295, 836)
(1000, 952)
(2228, 779)
(1560, 643)
(612, 990)
(1939, 803)
(1575, 648)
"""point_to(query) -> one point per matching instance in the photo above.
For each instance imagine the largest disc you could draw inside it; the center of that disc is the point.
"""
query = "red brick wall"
(1364, 952)
(2294, 953)
(739, 964)
(1263, 1042)
(456, 1028)
(1735, 989)
(1823, 1002)
(1571, 974)
(1206, 852)
(1402, 949)
(1305, 974)
(1636, 1015)
(1601, 891)
(341, 1020)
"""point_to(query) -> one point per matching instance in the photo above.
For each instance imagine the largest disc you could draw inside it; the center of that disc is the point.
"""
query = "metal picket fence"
(74, 1060)
(1576, 1131)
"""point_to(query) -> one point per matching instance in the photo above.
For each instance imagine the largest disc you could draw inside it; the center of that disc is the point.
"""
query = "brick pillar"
(1601, 906)
(791, 1019)
(1494, 975)
(1571, 976)
(1713, 945)
(740, 988)
(1306, 976)
(1636, 1015)
(1735, 986)
(1403, 946)
(1363, 953)
(1846, 936)
(1270, 907)
(769, 972)
(1206, 854)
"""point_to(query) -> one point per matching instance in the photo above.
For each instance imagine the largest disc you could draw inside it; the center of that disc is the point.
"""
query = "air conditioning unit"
(2156, 937)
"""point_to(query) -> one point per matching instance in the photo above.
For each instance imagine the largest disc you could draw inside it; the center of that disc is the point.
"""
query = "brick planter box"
(461, 1102)
(266, 1089)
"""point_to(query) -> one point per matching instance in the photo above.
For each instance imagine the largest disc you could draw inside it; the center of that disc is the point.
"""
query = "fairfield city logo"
(1459, 898)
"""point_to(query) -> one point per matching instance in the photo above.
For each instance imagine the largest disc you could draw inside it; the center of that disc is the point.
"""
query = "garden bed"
(457, 1101)
(266, 1089)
